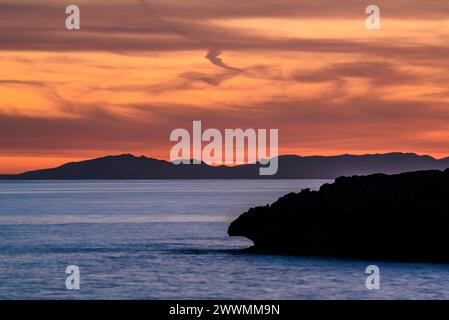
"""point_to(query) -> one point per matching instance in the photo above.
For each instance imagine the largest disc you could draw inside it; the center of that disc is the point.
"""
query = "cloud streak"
(214, 57)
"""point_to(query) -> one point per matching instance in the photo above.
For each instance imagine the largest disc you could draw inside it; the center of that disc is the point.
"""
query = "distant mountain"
(128, 166)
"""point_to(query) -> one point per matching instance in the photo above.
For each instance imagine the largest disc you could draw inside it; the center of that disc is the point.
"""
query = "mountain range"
(128, 166)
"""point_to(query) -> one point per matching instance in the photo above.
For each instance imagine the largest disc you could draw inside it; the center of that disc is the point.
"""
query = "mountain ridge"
(129, 166)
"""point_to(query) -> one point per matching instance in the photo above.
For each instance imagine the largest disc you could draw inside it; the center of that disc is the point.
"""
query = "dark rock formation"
(399, 217)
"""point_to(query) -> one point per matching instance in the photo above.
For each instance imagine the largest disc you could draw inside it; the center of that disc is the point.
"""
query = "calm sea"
(167, 240)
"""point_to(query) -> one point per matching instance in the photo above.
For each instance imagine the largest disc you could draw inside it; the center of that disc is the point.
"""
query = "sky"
(136, 70)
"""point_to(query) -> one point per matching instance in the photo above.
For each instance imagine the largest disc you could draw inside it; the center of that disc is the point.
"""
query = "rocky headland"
(396, 217)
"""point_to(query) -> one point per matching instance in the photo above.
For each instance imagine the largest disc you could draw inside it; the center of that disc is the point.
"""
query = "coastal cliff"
(399, 217)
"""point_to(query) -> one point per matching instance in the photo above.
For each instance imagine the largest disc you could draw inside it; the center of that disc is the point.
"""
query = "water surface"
(159, 239)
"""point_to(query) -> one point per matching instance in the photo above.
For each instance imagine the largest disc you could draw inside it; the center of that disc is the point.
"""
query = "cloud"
(214, 57)
(122, 27)
(379, 73)
(305, 124)
(12, 82)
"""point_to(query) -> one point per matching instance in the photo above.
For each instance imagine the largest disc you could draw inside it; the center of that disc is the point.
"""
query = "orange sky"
(139, 69)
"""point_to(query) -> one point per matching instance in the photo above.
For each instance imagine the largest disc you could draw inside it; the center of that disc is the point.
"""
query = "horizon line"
(236, 164)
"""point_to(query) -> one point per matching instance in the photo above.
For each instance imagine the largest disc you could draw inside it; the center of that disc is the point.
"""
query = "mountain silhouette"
(128, 166)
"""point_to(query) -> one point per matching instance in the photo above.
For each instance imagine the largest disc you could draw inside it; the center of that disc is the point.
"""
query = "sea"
(167, 239)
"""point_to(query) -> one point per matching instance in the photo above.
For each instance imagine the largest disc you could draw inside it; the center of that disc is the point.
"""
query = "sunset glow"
(136, 70)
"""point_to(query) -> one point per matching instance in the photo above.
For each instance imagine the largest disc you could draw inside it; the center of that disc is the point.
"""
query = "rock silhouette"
(398, 217)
